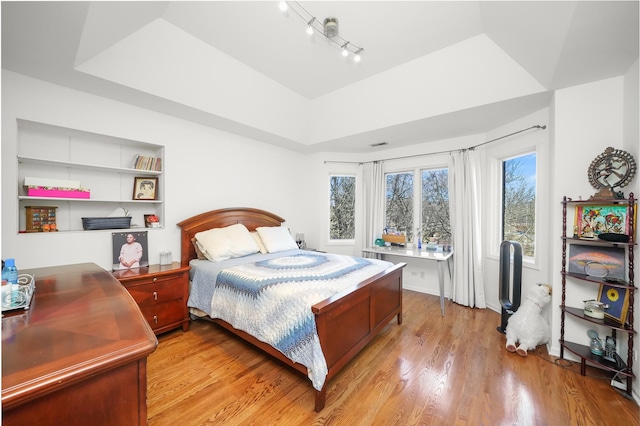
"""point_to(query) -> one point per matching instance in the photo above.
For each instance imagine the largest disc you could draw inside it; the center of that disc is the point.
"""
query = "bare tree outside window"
(519, 202)
(399, 203)
(342, 206)
(435, 204)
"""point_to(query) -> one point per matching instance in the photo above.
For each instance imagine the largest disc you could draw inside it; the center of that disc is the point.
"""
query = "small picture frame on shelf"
(591, 221)
(130, 250)
(617, 298)
(151, 221)
(595, 261)
(145, 188)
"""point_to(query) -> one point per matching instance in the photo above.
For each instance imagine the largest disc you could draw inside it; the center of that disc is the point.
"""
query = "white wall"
(234, 170)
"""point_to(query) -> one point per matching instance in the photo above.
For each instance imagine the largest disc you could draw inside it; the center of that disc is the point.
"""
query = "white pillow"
(258, 241)
(276, 238)
(224, 243)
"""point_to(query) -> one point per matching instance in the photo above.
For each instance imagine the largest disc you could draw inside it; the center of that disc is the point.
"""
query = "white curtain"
(464, 208)
(374, 190)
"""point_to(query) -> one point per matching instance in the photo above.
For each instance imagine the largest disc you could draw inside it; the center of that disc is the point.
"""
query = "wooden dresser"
(78, 355)
(161, 291)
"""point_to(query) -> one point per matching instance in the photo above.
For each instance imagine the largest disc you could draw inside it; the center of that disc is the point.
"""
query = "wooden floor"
(428, 371)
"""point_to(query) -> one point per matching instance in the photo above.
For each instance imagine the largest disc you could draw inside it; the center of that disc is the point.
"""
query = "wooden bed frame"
(345, 322)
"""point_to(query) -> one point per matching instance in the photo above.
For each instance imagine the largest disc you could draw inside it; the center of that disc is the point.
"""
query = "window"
(519, 202)
(399, 202)
(435, 204)
(426, 204)
(342, 204)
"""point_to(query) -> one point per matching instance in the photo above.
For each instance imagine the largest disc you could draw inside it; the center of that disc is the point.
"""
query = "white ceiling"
(558, 43)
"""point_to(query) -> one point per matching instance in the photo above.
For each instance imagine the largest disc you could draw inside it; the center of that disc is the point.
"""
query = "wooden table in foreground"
(440, 257)
(78, 355)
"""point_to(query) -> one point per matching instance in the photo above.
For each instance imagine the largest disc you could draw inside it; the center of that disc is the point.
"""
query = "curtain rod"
(537, 126)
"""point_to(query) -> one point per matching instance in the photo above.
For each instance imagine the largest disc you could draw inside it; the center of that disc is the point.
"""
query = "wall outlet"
(635, 355)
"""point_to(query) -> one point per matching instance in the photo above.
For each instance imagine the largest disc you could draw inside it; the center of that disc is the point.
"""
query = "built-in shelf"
(102, 164)
(90, 200)
(45, 162)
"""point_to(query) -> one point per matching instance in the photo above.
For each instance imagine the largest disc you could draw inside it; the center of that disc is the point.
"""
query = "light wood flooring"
(431, 370)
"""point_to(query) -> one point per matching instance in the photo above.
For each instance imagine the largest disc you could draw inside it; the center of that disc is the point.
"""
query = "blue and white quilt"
(270, 297)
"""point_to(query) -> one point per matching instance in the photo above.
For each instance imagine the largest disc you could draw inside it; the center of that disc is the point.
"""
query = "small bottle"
(419, 243)
(6, 290)
(10, 273)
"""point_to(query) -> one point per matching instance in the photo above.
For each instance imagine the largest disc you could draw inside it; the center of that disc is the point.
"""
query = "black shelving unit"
(623, 368)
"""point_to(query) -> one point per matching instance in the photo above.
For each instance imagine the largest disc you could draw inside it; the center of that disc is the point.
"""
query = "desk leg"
(441, 284)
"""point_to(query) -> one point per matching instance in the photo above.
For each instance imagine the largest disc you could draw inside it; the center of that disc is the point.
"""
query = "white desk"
(440, 257)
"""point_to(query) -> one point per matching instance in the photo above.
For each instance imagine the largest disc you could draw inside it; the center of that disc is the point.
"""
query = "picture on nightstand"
(130, 250)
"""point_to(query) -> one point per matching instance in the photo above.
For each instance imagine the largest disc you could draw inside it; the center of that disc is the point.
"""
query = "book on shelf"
(141, 162)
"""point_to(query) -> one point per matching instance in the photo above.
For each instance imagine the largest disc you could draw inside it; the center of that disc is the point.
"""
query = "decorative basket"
(93, 223)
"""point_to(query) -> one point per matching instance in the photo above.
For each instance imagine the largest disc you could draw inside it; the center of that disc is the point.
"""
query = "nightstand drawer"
(150, 278)
(161, 292)
(157, 292)
(163, 314)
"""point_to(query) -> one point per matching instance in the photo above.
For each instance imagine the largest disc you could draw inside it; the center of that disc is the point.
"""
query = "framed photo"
(130, 250)
(591, 221)
(145, 188)
(618, 300)
(601, 262)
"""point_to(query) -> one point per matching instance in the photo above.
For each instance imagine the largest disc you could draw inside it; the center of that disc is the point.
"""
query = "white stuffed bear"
(526, 326)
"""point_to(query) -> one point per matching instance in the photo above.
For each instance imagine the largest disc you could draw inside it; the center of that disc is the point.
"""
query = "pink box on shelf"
(57, 193)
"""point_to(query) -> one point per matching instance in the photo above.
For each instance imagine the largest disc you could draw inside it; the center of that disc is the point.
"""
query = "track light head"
(345, 49)
(330, 27)
(310, 26)
(357, 56)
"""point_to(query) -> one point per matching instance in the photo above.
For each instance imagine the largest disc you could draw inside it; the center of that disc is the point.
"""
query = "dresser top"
(81, 322)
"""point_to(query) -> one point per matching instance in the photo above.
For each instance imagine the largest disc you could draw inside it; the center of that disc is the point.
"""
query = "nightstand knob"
(155, 319)
(155, 279)
(155, 295)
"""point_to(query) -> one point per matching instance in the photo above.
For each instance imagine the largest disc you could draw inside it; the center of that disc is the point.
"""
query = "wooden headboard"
(251, 218)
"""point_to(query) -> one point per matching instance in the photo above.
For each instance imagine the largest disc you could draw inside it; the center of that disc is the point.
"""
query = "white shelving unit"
(103, 165)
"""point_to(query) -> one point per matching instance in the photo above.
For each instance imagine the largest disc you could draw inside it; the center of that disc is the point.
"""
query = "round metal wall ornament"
(614, 168)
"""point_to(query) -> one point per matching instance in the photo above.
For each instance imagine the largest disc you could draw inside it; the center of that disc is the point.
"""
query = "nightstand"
(161, 292)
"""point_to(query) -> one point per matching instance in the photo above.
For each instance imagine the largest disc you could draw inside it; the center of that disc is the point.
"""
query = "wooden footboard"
(351, 319)
(345, 322)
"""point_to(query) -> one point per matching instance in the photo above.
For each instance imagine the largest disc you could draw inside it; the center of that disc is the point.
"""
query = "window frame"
(494, 186)
(416, 165)
(330, 175)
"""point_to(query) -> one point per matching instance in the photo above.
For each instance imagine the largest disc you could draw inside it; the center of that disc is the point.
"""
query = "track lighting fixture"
(328, 28)
(310, 26)
(345, 49)
(356, 56)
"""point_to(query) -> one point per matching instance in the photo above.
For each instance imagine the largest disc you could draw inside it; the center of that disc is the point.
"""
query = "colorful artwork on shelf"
(592, 221)
(600, 262)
